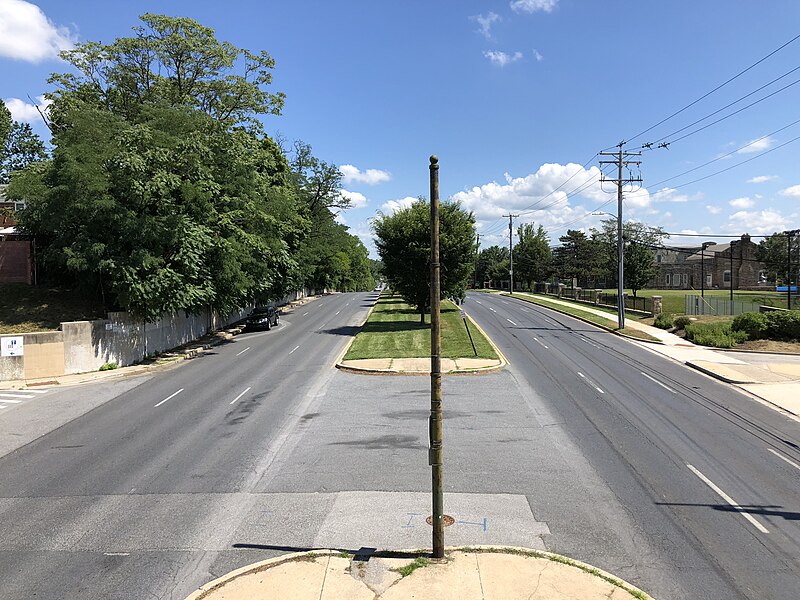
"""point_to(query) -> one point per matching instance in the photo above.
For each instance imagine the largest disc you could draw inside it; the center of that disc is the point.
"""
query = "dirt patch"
(769, 346)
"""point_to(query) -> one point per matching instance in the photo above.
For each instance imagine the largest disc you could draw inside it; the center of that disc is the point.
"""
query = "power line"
(720, 86)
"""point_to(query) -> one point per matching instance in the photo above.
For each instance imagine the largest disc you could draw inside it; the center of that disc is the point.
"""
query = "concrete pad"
(476, 363)
(339, 584)
(784, 395)
(743, 373)
(791, 370)
(513, 577)
(377, 364)
(392, 520)
(378, 574)
(295, 580)
(456, 579)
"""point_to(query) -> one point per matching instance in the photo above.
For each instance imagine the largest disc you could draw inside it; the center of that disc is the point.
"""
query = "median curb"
(294, 577)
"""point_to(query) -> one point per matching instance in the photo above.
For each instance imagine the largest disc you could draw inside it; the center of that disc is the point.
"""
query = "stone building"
(733, 263)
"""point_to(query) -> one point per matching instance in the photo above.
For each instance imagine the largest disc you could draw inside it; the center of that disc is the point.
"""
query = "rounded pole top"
(434, 159)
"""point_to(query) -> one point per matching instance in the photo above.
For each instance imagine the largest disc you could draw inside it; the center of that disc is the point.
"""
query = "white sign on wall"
(12, 346)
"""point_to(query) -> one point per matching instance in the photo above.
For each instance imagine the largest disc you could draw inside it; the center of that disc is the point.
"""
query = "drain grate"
(448, 520)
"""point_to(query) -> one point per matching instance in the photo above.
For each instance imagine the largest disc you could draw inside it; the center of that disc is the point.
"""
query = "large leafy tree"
(639, 260)
(580, 257)
(163, 193)
(532, 255)
(492, 264)
(19, 145)
(404, 245)
(772, 252)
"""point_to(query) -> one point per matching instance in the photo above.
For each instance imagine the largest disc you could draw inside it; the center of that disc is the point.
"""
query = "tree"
(163, 194)
(532, 255)
(772, 252)
(5, 122)
(19, 145)
(404, 245)
(492, 264)
(639, 260)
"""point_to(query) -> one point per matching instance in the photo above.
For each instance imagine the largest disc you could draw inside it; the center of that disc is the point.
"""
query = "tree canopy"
(19, 145)
(404, 245)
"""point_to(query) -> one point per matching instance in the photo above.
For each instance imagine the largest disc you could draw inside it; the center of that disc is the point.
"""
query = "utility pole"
(789, 235)
(620, 161)
(435, 427)
(511, 249)
(731, 281)
(475, 269)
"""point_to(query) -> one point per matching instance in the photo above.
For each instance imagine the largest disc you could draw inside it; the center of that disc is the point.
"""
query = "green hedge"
(718, 334)
(774, 325)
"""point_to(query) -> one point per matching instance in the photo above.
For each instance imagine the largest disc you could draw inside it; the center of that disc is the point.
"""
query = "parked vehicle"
(262, 317)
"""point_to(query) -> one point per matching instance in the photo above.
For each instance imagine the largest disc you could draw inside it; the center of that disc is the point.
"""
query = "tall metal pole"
(620, 248)
(511, 250)
(789, 270)
(435, 450)
(731, 281)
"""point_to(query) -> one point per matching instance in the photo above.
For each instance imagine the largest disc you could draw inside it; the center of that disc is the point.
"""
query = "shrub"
(109, 366)
(663, 321)
(754, 324)
(717, 335)
(783, 325)
(681, 322)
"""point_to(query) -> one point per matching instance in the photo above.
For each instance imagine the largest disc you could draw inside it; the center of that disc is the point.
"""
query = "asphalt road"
(677, 449)
(582, 446)
(123, 501)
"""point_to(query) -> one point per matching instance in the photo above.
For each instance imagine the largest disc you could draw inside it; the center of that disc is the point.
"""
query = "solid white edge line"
(295, 348)
(782, 457)
(669, 389)
(512, 322)
(4, 395)
(243, 351)
(168, 397)
(239, 396)
(728, 499)
(12, 401)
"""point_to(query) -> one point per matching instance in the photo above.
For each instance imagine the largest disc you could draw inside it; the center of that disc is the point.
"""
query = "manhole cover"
(448, 520)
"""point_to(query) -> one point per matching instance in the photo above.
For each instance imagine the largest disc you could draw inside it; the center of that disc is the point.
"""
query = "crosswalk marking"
(6, 395)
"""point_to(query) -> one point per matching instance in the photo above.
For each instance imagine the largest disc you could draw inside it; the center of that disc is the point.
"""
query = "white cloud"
(357, 200)
(532, 6)
(742, 203)
(793, 191)
(392, 206)
(762, 178)
(485, 23)
(25, 112)
(714, 210)
(758, 145)
(500, 58)
(27, 34)
(537, 55)
(760, 222)
(669, 195)
(352, 174)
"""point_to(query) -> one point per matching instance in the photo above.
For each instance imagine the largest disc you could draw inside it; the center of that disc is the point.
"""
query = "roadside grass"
(674, 300)
(575, 310)
(418, 563)
(28, 309)
(393, 330)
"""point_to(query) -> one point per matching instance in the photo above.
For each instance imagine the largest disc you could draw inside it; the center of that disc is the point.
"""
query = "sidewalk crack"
(480, 579)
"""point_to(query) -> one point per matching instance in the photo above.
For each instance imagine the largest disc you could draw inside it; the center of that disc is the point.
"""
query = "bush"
(109, 367)
(783, 325)
(663, 321)
(681, 322)
(754, 324)
(717, 335)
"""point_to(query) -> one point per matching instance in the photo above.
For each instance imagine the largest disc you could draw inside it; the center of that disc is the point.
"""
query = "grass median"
(393, 330)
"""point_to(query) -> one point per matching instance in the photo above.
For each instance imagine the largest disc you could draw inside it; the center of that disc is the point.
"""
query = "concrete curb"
(716, 375)
(210, 587)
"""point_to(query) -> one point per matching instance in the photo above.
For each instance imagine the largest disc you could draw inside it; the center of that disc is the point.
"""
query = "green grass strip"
(575, 311)
(393, 330)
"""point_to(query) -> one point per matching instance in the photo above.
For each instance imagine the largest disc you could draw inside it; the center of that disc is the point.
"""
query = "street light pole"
(730, 283)
(703, 269)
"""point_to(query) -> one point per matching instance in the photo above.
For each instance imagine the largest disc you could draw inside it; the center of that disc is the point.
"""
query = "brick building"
(16, 259)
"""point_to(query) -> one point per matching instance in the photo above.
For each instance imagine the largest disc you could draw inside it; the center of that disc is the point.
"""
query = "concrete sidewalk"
(465, 574)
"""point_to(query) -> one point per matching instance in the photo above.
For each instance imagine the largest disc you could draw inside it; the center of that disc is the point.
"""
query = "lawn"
(393, 330)
(673, 302)
(25, 308)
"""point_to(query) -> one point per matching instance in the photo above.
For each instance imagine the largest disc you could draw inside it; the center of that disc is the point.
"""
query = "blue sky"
(513, 96)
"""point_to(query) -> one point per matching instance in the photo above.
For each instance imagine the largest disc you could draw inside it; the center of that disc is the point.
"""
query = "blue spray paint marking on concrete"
(473, 523)
(410, 520)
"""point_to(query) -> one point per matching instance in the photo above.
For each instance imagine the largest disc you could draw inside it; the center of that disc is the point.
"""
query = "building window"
(708, 280)
(726, 277)
(658, 258)
(669, 282)
(685, 278)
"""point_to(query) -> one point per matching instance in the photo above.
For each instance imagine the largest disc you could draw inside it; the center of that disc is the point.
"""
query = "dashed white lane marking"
(590, 382)
(116, 554)
(337, 312)
(168, 398)
(512, 322)
(5, 395)
(540, 343)
(239, 396)
(491, 309)
(305, 313)
(729, 500)
(479, 302)
(243, 351)
(782, 457)
(295, 348)
(654, 380)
